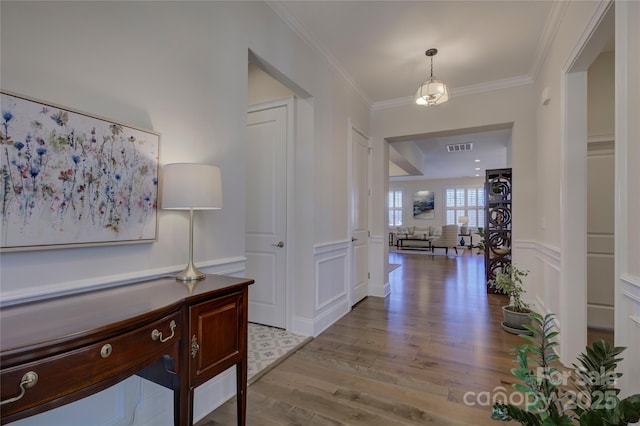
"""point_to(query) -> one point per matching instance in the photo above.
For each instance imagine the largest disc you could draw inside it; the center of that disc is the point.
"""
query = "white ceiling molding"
(489, 86)
(288, 18)
(548, 34)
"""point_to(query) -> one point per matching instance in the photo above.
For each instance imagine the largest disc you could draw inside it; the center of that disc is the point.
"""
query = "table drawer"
(63, 374)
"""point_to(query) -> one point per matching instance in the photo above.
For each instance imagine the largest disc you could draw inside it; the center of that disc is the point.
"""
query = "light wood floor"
(408, 359)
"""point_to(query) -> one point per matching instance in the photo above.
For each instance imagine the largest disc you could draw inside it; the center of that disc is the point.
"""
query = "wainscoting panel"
(332, 280)
(548, 288)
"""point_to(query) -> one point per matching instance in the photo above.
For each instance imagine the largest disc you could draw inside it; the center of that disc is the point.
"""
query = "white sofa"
(414, 236)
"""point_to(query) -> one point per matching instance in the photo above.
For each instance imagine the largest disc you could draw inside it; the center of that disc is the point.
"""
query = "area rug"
(269, 346)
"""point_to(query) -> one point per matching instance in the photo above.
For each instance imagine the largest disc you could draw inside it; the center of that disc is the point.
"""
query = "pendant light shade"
(432, 91)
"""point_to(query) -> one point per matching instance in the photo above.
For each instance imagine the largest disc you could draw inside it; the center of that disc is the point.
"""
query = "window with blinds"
(395, 208)
(465, 201)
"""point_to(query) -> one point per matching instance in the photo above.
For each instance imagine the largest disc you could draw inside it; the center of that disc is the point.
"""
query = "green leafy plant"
(509, 282)
(593, 401)
(481, 244)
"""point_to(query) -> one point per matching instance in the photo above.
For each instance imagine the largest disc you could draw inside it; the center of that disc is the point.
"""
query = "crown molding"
(474, 89)
(549, 32)
(281, 10)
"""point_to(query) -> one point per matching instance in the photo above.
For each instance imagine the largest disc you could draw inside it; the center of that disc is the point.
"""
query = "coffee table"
(400, 244)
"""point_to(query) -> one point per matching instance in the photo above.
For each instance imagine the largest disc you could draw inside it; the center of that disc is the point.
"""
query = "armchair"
(449, 238)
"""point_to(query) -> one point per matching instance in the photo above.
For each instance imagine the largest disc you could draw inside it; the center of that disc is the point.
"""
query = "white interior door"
(266, 216)
(359, 215)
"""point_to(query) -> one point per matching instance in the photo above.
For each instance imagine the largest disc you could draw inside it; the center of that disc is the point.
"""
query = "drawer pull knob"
(195, 347)
(28, 381)
(157, 335)
(106, 350)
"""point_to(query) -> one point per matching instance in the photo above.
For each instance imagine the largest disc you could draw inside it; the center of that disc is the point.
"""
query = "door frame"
(290, 103)
(354, 127)
(573, 213)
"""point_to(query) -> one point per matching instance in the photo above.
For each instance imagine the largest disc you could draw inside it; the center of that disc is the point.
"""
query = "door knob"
(280, 244)
(354, 239)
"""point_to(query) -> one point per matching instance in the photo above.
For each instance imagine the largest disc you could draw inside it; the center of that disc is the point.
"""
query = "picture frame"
(70, 179)
(424, 205)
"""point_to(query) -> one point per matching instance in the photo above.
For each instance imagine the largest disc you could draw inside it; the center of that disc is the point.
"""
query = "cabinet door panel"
(218, 337)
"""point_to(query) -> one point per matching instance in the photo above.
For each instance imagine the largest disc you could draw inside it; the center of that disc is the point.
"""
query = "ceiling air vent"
(459, 147)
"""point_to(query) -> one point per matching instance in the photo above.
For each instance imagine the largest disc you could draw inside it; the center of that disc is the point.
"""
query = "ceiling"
(379, 46)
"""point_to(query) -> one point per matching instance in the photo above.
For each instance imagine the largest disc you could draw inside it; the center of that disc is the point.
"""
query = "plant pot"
(500, 251)
(514, 322)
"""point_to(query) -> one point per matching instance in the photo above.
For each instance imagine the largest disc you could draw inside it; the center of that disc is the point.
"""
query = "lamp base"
(190, 273)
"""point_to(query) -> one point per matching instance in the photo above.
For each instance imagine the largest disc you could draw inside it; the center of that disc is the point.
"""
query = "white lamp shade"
(432, 92)
(191, 186)
(463, 220)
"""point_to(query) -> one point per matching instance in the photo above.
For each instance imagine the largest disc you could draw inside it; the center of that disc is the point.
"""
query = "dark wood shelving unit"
(498, 217)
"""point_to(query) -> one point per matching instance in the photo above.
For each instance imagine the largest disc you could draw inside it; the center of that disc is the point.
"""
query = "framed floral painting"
(68, 178)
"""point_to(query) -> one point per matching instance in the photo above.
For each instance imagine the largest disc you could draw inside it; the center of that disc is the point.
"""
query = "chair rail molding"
(225, 266)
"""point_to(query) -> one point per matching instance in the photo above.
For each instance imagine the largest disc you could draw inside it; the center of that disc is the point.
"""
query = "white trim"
(351, 127)
(610, 137)
(577, 60)
(473, 89)
(552, 24)
(631, 296)
(573, 190)
(330, 316)
(271, 104)
(228, 266)
(330, 247)
(550, 251)
(302, 326)
(630, 279)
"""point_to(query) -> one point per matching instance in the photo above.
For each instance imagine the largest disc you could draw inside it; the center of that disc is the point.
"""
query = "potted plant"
(496, 192)
(480, 246)
(516, 313)
(592, 400)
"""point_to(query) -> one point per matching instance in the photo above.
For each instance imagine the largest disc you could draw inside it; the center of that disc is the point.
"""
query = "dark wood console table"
(57, 351)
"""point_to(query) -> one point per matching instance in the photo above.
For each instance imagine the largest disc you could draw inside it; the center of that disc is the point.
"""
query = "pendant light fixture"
(432, 91)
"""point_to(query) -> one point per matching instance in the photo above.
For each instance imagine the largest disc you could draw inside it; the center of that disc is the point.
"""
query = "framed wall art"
(68, 178)
(423, 205)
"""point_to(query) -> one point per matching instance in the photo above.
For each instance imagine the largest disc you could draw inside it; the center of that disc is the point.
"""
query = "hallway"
(407, 359)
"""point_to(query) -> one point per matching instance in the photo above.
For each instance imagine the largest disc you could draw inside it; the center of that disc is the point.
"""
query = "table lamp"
(191, 186)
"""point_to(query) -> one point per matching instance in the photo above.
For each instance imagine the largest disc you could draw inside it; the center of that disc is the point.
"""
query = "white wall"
(601, 89)
(180, 69)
